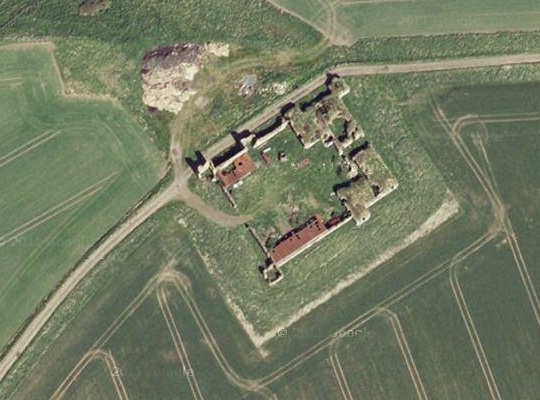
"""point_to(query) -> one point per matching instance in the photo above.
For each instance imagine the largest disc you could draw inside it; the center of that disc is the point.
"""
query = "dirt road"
(178, 190)
(368, 70)
(78, 274)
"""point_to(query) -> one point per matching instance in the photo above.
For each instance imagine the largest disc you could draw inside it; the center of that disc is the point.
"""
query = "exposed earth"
(167, 73)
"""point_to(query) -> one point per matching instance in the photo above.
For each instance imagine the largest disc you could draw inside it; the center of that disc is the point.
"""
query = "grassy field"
(397, 114)
(372, 361)
(94, 382)
(102, 54)
(69, 169)
(116, 311)
(349, 250)
(407, 314)
(345, 21)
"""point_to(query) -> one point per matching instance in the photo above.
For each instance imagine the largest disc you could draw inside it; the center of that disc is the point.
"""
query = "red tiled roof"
(241, 167)
(294, 240)
(336, 219)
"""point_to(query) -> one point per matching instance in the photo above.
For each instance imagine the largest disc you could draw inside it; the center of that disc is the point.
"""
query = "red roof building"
(298, 239)
(336, 219)
(241, 167)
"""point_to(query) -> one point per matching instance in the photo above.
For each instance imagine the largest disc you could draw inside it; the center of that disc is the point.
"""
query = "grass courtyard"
(284, 194)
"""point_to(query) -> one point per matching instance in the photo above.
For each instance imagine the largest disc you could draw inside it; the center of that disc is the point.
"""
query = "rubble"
(167, 73)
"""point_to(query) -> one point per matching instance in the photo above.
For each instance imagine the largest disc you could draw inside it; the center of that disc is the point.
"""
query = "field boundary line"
(54, 211)
(338, 370)
(175, 279)
(405, 351)
(146, 291)
(15, 349)
(140, 215)
(92, 355)
(390, 300)
(28, 146)
(490, 187)
(181, 351)
(473, 335)
(514, 245)
(114, 326)
(49, 46)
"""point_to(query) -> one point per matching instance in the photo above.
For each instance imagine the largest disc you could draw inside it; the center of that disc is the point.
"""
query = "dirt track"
(368, 70)
(178, 190)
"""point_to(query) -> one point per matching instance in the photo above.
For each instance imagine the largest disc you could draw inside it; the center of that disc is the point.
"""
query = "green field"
(372, 361)
(345, 21)
(102, 54)
(94, 383)
(69, 169)
(405, 316)
(199, 269)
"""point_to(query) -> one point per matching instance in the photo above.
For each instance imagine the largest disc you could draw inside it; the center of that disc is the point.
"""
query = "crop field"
(94, 382)
(372, 361)
(69, 169)
(162, 324)
(344, 21)
(454, 315)
(516, 154)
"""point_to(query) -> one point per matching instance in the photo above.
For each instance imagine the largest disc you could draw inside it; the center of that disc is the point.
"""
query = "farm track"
(473, 336)
(112, 367)
(406, 352)
(370, 70)
(338, 371)
(56, 210)
(156, 285)
(109, 332)
(373, 311)
(261, 385)
(172, 194)
(220, 218)
(179, 345)
(233, 377)
(489, 185)
(26, 147)
(301, 18)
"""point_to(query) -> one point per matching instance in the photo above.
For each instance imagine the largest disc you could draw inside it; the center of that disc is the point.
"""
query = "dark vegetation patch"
(90, 8)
